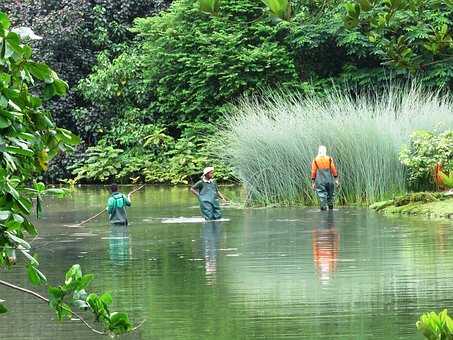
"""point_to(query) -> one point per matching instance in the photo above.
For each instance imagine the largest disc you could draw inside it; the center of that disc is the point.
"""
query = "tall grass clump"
(271, 142)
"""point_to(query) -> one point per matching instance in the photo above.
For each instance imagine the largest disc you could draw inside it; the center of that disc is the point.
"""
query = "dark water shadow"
(119, 244)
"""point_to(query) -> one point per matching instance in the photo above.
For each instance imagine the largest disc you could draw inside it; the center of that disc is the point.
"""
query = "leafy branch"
(28, 140)
(40, 297)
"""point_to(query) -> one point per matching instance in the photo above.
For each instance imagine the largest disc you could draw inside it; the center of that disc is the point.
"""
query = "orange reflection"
(325, 245)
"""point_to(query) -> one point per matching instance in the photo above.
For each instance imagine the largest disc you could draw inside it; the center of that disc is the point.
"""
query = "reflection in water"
(442, 237)
(119, 249)
(211, 240)
(325, 245)
(388, 272)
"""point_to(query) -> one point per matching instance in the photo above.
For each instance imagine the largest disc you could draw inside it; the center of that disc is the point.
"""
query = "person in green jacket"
(116, 206)
(208, 195)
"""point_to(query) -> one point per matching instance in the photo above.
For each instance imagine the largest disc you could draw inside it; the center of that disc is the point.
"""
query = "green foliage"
(159, 159)
(413, 35)
(447, 180)
(74, 33)
(436, 326)
(74, 292)
(423, 197)
(28, 140)
(187, 66)
(272, 143)
(28, 137)
(209, 6)
(3, 309)
(279, 8)
(101, 164)
(420, 156)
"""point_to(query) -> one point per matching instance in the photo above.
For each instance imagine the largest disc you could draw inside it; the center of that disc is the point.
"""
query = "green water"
(276, 273)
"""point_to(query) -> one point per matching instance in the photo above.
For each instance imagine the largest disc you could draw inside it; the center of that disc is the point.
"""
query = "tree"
(28, 140)
(412, 35)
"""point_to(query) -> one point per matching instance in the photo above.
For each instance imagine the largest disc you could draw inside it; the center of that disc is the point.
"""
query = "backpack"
(118, 201)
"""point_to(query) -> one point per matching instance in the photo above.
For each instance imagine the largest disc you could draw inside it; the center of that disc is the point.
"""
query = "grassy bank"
(271, 143)
(434, 205)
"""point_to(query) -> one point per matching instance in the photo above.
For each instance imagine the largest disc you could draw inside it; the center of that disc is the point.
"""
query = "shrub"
(410, 36)
(188, 64)
(158, 159)
(271, 144)
(436, 326)
(424, 150)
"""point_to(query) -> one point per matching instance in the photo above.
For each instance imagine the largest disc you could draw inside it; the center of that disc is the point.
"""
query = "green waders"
(209, 201)
(116, 206)
(325, 188)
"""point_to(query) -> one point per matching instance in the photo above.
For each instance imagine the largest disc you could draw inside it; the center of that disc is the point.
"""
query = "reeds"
(271, 142)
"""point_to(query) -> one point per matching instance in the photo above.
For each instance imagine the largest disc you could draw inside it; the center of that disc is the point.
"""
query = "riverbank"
(428, 204)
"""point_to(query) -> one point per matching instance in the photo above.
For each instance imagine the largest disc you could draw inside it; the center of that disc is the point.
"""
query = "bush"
(158, 159)
(420, 156)
(413, 37)
(188, 65)
(436, 326)
(74, 32)
(271, 145)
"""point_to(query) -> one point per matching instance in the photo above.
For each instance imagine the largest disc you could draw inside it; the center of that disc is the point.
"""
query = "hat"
(207, 170)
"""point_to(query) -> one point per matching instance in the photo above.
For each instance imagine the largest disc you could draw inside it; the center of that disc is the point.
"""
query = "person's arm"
(314, 170)
(128, 199)
(334, 172)
(195, 189)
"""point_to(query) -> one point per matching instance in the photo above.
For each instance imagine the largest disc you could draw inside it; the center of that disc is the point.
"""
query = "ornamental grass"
(271, 142)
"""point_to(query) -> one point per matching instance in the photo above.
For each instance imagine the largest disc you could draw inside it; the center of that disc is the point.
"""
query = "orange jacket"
(323, 162)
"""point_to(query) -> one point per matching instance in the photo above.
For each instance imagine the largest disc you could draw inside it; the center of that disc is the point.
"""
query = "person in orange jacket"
(324, 176)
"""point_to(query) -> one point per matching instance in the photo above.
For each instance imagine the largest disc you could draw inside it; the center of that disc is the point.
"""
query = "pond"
(276, 273)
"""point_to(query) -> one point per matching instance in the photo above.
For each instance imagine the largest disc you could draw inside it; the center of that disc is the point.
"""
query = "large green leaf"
(68, 137)
(20, 151)
(73, 274)
(280, 8)
(84, 281)
(4, 122)
(2, 308)
(209, 6)
(40, 71)
(35, 276)
(106, 298)
(12, 45)
(17, 240)
(61, 87)
(4, 21)
(4, 215)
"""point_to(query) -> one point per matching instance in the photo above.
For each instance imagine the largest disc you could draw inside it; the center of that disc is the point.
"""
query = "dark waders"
(326, 194)
(209, 202)
(325, 188)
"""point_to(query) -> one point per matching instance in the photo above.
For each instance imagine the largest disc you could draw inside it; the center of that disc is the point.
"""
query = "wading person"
(116, 206)
(324, 177)
(208, 195)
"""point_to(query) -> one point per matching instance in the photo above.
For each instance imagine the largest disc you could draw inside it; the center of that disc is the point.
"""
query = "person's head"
(322, 150)
(114, 187)
(208, 172)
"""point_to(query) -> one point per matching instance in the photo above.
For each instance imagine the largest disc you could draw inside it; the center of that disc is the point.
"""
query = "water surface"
(280, 273)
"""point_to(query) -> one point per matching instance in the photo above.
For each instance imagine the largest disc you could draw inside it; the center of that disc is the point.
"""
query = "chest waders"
(209, 201)
(325, 186)
(118, 210)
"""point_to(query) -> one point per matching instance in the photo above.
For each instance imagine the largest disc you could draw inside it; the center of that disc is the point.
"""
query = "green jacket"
(116, 207)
